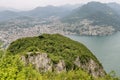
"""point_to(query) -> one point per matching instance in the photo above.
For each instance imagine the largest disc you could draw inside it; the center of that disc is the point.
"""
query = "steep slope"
(56, 53)
(98, 13)
(115, 6)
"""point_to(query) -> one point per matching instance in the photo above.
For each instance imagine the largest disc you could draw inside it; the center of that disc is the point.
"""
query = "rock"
(39, 60)
(60, 66)
(42, 63)
(91, 67)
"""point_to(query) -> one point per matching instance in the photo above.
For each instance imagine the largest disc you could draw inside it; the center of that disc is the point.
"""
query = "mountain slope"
(48, 11)
(39, 12)
(38, 58)
(65, 54)
(115, 6)
(97, 12)
(6, 15)
(10, 9)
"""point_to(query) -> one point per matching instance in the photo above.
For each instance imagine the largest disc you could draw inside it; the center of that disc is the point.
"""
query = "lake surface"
(105, 48)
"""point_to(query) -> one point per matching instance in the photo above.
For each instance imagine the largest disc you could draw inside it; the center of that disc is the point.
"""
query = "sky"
(30, 4)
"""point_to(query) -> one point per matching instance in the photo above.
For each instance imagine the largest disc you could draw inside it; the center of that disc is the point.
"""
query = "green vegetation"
(11, 68)
(75, 75)
(1, 53)
(56, 46)
(0, 42)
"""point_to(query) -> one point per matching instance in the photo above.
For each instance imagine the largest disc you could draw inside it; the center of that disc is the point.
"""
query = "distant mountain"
(5, 15)
(69, 6)
(48, 11)
(115, 6)
(44, 12)
(98, 13)
(93, 18)
(6, 9)
(39, 12)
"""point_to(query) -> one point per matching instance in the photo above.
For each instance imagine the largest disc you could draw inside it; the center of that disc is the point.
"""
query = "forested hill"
(59, 49)
(50, 57)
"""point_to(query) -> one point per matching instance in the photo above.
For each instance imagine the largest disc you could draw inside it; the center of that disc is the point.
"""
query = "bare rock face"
(60, 66)
(42, 63)
(91, 67)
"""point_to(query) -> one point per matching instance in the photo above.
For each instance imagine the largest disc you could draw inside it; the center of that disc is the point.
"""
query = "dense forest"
(57, 47)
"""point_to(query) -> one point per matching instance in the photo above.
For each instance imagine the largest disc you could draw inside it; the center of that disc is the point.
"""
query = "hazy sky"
(29, 4)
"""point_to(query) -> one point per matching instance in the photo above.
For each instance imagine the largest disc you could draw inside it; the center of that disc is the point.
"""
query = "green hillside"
(57, 47)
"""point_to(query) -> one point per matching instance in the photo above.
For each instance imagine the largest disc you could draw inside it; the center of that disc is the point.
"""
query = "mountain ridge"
(41, 12)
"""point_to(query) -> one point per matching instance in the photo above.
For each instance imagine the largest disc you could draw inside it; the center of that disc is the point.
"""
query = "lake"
(105, 48)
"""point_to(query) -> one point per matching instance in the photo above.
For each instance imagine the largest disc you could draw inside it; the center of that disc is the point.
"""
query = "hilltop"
(58, 48)
(50, 57)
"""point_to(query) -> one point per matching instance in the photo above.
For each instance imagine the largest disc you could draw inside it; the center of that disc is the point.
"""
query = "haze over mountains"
(95, 11)
(57, 10)
(93, 18)
(39, 12)
(97, 14)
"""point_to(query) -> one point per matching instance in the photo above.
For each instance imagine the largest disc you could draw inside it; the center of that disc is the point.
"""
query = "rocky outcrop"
(43, 63)
(60, 66)
(40, 61)
(91, 67)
